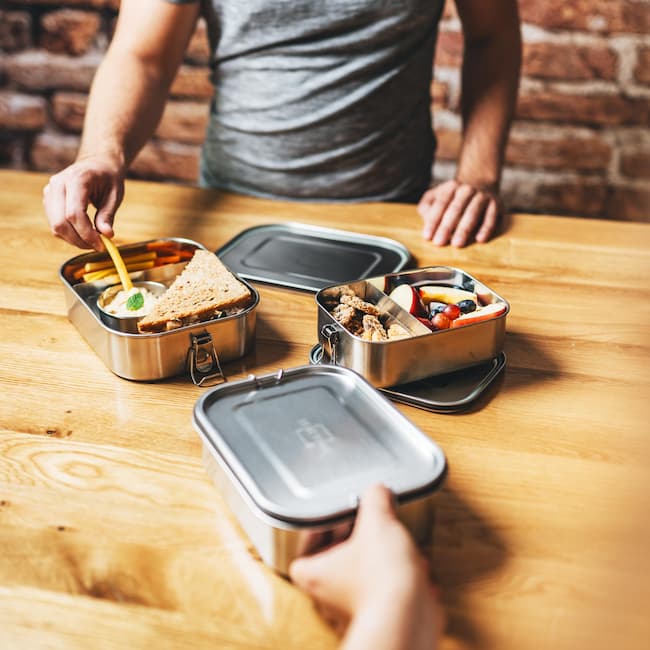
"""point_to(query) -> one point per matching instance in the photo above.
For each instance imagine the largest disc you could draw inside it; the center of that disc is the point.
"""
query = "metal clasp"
(332, 335)
(267, 380)
(203, 362)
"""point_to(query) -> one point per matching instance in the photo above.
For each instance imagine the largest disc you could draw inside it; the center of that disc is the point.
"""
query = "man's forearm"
(125, 104)
(489, 94)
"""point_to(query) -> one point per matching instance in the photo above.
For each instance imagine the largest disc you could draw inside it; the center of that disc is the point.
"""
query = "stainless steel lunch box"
(425, 353)
(197, 349)
(291, 453)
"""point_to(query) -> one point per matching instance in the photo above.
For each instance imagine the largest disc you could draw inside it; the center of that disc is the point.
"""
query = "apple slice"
(379, 282)
(408, 298)
(482, 313)
(450, 295)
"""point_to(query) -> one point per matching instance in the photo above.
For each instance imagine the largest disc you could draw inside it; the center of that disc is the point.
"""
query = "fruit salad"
(440, 306)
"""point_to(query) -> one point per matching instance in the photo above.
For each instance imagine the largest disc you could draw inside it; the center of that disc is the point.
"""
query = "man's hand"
(377, 580)
(68, 195)
(459, 213)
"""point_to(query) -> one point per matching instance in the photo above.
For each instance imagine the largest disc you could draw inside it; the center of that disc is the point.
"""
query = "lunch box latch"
(203, 361)
(331, 333)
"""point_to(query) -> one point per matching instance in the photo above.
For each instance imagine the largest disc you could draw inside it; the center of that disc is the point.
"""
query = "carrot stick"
(168, 259)
(103, 273)
(128, 259)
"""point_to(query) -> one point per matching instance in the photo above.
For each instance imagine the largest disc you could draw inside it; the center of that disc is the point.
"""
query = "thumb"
(104, 222)
(375, 509)
(106, 210)
(313, 573)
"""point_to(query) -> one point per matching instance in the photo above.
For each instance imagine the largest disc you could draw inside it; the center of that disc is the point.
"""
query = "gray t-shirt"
(321, 99)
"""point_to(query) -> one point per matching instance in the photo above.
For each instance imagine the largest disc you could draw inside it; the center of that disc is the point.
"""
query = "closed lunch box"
(197, 350)
(423, 353)
(292, 452)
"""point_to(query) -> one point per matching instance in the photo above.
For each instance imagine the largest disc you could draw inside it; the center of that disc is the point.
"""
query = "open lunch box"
(198, 349)
(473, 338)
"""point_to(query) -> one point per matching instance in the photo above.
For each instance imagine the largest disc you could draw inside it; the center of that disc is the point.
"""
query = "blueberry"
(467, 306)
(436, 307)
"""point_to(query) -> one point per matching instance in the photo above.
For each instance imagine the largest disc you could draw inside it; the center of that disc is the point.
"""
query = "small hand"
(377, 574)
(67, 196)
(458, 213)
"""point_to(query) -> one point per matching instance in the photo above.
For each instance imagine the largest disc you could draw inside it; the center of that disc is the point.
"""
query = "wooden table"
(113, 536)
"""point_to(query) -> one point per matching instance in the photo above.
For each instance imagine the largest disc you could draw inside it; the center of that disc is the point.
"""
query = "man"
(314, 100)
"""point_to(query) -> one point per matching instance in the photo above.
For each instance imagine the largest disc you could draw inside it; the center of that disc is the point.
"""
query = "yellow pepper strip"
(101, 274)
(128, 260)
(127, 285)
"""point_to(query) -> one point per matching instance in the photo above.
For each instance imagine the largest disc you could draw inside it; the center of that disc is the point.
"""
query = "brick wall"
(580, 144)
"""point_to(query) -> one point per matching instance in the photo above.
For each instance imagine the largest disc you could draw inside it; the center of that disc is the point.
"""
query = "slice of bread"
(204, 288)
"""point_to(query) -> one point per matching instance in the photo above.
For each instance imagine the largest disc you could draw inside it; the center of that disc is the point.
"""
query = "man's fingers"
(54, 202)
(426, 201)
(452, 214)
(490, 221)
(437, 201)
(76, 213)
(470, 219)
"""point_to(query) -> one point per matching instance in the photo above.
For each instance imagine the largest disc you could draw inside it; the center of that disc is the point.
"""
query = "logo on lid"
(315, 434)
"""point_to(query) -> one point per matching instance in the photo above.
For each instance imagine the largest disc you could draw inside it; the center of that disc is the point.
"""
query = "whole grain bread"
(203, 289)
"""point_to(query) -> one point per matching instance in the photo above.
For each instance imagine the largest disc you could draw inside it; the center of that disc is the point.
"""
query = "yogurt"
(117, 306)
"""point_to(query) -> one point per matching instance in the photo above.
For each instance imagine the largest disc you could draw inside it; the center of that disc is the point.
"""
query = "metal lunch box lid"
(301, 256)
(305, 443)
(447, 393)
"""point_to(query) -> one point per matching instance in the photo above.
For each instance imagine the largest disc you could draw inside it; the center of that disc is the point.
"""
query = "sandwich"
(205, 289)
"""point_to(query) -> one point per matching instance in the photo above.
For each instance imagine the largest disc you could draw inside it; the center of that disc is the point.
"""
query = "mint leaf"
(135, 302)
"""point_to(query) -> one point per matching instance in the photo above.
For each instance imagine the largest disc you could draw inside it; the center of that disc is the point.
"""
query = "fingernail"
(439, 240)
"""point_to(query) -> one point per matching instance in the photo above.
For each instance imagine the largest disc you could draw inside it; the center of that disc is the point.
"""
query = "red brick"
(11, 152)
(198, 50)
(593, 109)
(52, 152)
(582, 198)
(635, 164)
(628, 204)
(22, 112)
(562, 153)
(184, 122)
(642, 69)
(38, 71)
(109, 4)
(439, 93)
(68, 110)
(569, 62)
(69, 31)
(449, 49)
(448, 144)
(15, 30)
(192, 82)
(167, 160)
(602, 16)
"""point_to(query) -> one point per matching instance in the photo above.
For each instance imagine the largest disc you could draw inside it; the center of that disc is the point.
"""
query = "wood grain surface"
(113, 536)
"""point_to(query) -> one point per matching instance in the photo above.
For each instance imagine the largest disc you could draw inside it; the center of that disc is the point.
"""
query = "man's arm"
(467, 207)
(125, 104)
